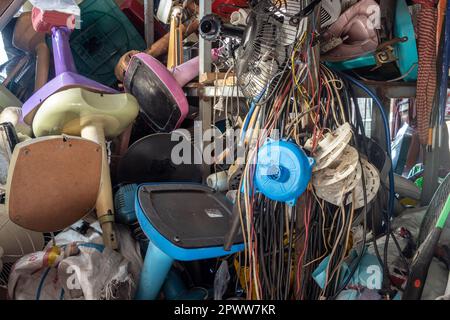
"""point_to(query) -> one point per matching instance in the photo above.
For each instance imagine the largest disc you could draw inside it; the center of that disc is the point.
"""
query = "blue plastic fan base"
(283, 171)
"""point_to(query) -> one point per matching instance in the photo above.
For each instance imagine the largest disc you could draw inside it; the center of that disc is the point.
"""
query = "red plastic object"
(225, 8)
(43, 21)
(134, 10)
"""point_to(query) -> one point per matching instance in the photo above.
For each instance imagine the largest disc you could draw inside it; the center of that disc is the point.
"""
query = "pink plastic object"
(357, 27)
(187, 71)
(65, 69)
(43, 21)
(163, 104)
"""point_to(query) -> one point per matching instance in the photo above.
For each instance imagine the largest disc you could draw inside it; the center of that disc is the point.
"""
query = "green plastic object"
(419, 183)
(444, 214)
(7, 99)
(105, 35)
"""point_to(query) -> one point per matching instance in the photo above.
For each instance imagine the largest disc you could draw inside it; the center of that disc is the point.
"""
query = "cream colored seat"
(94, 116)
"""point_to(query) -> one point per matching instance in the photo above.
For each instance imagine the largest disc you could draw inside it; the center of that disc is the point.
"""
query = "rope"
(426, 80)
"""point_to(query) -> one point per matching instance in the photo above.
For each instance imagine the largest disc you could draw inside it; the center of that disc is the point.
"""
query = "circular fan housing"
(283, 171)
(151, 159)
(162, 101)
(16, 241)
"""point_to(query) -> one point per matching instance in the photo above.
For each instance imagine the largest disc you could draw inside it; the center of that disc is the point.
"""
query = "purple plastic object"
(66, 76)
(61, 51)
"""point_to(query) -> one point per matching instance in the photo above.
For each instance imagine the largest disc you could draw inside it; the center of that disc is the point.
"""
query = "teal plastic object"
(124, 204)
(406, 52)
(105, 35)
(356, 63)
(283, 171)
(368, 273)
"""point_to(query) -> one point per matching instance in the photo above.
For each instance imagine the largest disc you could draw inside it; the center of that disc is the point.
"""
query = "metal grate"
(267, 46)
(434, 209)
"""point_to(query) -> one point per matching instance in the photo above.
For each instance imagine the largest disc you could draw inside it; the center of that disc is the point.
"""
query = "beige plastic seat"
(94, 116)
(53, 182)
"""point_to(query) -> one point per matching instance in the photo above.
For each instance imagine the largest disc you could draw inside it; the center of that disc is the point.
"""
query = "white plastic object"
(14, 116)
(335, 193)
(338, 170)
(17, 241)
(64, 6)
(372, 182)
(164, 10)
(331, 146)
(239, 17)
(218, 181)
(329, 12)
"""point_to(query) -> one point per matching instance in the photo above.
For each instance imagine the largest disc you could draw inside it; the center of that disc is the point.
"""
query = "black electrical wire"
(360, 125)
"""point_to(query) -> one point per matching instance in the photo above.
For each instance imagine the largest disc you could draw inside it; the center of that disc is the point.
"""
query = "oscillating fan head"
(283, 171)
(266, 46)
(162, 101)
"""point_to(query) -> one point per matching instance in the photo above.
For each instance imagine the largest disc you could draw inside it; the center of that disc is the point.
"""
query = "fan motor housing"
(283, 171)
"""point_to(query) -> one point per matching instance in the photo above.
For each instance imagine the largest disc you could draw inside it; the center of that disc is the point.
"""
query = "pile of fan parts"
(339, 173)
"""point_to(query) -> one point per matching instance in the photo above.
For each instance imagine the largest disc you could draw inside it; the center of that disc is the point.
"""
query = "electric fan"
(267, 44)
(434, 209)
(433, 224)
(15, 242)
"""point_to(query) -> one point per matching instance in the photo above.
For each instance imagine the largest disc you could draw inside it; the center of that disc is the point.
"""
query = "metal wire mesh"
(267, 46)
(434, 209)
(7, 266)
(4, 275)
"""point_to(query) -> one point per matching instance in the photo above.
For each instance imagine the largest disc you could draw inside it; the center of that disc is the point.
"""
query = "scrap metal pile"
(295, 188)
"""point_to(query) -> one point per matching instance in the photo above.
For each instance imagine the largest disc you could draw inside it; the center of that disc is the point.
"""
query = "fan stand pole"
(175, 55)
(104, 206)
